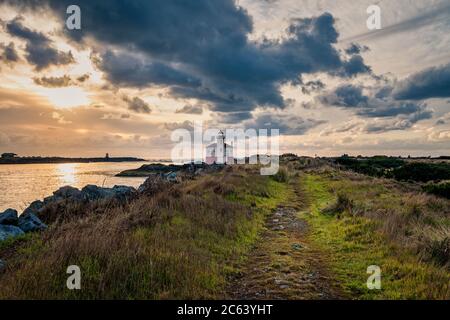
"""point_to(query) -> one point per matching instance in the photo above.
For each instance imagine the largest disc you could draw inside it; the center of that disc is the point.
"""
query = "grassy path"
(284, 264)
(355, 242)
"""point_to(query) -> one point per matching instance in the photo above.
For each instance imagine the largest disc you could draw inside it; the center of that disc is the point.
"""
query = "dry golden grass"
(175, 244)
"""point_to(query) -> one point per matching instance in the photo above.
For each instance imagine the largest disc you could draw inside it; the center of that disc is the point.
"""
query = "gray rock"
(7, 232)
(33, 208)
(30, 223)
(9, 217)
(154, 184)
(123, 193)
(50, 199)
(68, 192)
(172, 177)
(92, 193)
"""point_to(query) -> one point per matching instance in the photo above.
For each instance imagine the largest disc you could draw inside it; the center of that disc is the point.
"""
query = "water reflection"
(20, 185)
(67, 173)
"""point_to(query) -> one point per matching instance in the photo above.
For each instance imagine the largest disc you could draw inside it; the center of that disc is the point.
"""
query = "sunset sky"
(139, 69)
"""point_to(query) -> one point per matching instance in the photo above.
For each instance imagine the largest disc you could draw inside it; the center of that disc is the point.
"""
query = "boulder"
(50, 199)
(68, 192)
(7, 232)
(172, 177)
(9, 217)
(120, 193)
(123, 193)
(154, 184)
(92, 193)
(30, 222)
(33, 208)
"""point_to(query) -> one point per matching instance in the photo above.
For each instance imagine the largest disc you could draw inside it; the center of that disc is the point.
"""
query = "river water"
(22, 184)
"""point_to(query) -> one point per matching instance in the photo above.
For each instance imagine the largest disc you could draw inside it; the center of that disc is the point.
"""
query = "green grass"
(354, 243)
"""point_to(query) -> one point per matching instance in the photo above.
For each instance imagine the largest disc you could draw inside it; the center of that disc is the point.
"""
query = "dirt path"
(283, 264)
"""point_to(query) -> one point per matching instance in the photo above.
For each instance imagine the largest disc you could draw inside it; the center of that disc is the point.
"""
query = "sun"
(66, 97)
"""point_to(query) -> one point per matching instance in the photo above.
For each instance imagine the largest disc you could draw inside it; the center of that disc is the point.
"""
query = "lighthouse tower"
(219, 152)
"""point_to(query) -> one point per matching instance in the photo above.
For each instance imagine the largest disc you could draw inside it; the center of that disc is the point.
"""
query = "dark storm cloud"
(126, 70)
(312, 86)
(354, 66)
(40, 51)
(287, 124)
(9, 54)
(382, 109)
(200, 49)
(430, 83)
(137, 105)
(400, 115)
(345, 96)
(234, 117)
(355, 48)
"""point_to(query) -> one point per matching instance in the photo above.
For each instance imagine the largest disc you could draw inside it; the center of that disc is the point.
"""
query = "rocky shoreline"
(160, 177)
(174, 169)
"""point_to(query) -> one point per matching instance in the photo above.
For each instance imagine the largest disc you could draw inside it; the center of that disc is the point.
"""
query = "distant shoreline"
(49, 160)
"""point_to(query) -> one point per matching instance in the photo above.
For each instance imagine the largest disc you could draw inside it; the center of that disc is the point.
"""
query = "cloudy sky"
(139, 69)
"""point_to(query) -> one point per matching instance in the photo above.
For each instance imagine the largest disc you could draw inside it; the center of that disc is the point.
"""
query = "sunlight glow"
(67, 173)
(66, 97)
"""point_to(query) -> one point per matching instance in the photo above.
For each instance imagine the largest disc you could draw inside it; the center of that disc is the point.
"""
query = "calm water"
(22, 184)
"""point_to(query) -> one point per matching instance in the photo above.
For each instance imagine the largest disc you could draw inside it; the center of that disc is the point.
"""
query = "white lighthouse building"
(219, 152)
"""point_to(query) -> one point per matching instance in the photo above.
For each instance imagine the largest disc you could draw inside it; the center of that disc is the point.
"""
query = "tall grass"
(364, 221)
(179, 244)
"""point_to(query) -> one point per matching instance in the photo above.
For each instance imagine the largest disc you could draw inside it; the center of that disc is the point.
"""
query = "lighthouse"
(219, 152)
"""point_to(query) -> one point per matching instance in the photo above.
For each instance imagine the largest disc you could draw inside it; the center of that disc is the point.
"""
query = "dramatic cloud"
(345, 96)
(9, 54)
(430, 83)
(287, 124)
(189, 109)
(137, 105)
(202, 50)
(402, 114)
(59, 82)
(53, 82)
(312, 86)
(127, 70)
(355, 48)
(40, 51)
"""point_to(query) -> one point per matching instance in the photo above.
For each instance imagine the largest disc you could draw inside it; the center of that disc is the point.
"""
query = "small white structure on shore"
(219, 152)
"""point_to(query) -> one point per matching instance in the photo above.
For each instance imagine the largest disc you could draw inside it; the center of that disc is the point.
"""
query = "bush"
(441, 189)
(422, 172)
(282, 175)
(342, 205)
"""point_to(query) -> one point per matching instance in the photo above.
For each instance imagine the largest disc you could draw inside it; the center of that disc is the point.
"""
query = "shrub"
(422, 172)
(439, 251)
(342, 205)
(282, 175)
(441, 189)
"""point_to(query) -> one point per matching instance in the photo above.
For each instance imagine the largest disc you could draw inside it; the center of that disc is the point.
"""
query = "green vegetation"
(391, 167)
(378, 166)
(423, 172)
(372, 223)
(180, 243)
(191, 239)
(439, 189)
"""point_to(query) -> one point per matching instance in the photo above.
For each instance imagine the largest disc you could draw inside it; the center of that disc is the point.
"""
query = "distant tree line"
(434, 174)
